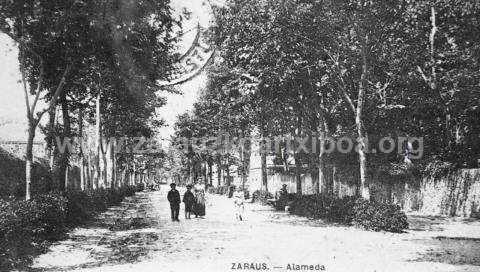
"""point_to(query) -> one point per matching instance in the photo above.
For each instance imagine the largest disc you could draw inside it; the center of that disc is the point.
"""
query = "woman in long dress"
(199, 205)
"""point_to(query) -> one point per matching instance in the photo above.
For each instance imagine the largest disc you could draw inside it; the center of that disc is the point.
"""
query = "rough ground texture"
(139, 236)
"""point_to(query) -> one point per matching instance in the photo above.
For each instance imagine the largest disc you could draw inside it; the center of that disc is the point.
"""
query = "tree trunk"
(81, 152)
(298, 163)
(314, 171)
(323, 188)
(433, 32)
(204, 172)
(263, 155)
(92, 170)
(363, 188)
(108, 161)
(51, 137)
(134, 175)
(29, 159)
(210, 173)
(67, 178)
(313, 165)
(334, 179)
(114, 165)
(227, 169)
(105, 179)
(98, 171)
(298, 176)
(244, 163)
(123, 181)
(219, 171)
(64, 158)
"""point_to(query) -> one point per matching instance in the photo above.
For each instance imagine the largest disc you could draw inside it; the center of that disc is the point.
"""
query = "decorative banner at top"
(192, 63)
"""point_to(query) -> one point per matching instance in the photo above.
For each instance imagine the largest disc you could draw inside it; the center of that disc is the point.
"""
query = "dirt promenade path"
(139, 236)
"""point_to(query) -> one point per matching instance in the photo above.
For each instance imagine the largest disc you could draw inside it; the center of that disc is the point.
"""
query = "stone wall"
(12, 168)
(18, 149)
(456, 194)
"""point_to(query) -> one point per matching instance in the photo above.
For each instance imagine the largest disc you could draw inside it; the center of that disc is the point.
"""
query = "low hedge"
(283, 201)
(351, 210)
(332, 209)
(224, 190)
(83, 205)
(219, 190)
(26, 227)
(379, 216)
(261, 196)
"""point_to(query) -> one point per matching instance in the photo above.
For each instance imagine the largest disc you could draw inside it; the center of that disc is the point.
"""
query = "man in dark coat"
(189, 200)
(174, 199)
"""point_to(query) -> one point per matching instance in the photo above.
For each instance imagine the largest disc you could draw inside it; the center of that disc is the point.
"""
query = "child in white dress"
(238, 201)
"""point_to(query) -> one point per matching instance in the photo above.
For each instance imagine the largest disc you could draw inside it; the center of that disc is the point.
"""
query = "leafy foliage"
(379, 216)
(351, 210)
(319, 206)
(27, 226)
(261, 196)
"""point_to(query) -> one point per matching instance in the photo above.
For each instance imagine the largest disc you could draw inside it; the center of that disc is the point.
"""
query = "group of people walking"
(194, 201)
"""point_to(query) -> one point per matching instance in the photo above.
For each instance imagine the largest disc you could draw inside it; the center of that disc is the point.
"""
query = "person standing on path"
(189, 200)
(199, 206)
(238, 201)
(173, 197)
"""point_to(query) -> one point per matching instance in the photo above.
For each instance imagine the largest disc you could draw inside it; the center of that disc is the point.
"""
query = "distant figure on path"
(282, 203)
(238, 201)
(284, 191)
(189, 200)
(173, 197)
(199, 205)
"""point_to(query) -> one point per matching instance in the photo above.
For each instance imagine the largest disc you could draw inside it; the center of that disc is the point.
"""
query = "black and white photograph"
(239, 135)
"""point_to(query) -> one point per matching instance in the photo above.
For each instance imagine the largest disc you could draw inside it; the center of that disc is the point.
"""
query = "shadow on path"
(122, 234)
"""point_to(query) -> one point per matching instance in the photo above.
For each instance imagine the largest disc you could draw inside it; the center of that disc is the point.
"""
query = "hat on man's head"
(189, 186)
(173, 184)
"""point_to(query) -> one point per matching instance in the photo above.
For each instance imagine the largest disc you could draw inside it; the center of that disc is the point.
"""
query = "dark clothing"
(189, 200)
(199, 205)
(173, 197)
(199, 209)
(175, 210)
(282, 200)
(199, 202)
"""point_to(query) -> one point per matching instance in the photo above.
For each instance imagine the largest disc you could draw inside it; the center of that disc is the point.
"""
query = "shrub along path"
(139, 236)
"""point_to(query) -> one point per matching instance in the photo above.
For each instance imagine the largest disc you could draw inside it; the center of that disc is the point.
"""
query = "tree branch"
(342, 85)
(363, 79)
(57, 93)
(60, 86)
(39, 85)
(25, 91)
(424, 77)
(348, 99)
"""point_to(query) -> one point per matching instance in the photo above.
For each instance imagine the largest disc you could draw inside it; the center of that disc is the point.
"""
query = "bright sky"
(12, 103)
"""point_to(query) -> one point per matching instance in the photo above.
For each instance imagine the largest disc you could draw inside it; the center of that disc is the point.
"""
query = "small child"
(189, 200)
(238, 201)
